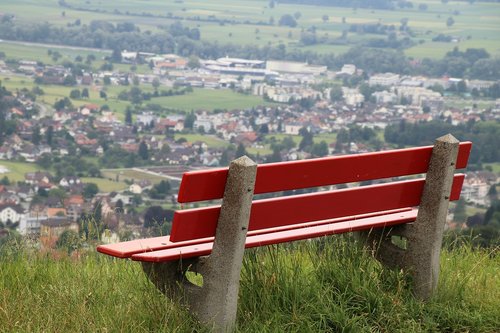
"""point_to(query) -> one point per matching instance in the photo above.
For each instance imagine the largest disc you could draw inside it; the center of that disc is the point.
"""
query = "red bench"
(222, 232)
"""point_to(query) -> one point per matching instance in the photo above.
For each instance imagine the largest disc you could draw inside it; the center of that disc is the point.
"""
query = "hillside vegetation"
(328, 285)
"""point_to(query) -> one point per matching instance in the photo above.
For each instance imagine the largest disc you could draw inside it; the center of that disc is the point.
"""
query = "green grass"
(130, 175)
(476, 24)
(210, 99)
(105, 185)
(18, 169)
(210, 140)
(495, 167)
(329, 285)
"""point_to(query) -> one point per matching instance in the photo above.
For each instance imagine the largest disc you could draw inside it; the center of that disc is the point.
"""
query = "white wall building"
(384, 79)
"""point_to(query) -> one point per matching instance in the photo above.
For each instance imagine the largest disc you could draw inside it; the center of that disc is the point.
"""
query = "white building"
(295, 67)
(12, 213)
(352, 96)
(384, 79)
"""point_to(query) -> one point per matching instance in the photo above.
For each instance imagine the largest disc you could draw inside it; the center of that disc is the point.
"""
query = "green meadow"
(17, 169)
(475, 24)
(327, 285)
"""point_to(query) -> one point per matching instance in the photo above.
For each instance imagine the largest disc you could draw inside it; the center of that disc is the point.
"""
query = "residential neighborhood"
(45, 204)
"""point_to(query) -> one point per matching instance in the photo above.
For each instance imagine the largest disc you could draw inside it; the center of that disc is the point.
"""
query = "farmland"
(248, 22)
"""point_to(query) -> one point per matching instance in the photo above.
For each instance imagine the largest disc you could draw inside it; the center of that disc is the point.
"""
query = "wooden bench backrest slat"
(268, 213)
(274, 177)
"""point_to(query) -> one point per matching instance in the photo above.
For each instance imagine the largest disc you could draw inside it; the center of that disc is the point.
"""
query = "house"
(11, 212)
(69, 181)
(37, 177)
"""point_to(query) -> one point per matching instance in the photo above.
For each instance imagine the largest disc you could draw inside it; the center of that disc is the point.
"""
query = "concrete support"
(215, 303)
(423, 237)
(425, 240)
(222, 275)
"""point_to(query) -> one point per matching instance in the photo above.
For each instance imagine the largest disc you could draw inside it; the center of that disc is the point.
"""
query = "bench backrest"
(274, 177)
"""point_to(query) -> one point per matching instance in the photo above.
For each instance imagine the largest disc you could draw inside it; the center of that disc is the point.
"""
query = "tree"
(128, 116)
(336, 94)
(143, 150)
(116, 56)
(85, 93)
(156, 83)
(156, 216)
(69, 240)
(240, 151)
(307, 138)
(193, 62)
(75, 94)
(90, 190)
(102, 94)
(287, 20)
(319, 149)
(36, 136)
(450, 21)
(49, 134)
(189, 120)
(325, 18)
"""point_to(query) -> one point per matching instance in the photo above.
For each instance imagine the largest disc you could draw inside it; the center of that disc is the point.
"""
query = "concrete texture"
(423, 237)
(215, 303)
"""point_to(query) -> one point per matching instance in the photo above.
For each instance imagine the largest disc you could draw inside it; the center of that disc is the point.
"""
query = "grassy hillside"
(329, 285)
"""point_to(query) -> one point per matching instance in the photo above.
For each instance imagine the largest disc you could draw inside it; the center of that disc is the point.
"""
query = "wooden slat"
(270, 213)
(203, 249)
(273, 177)
(129, 248)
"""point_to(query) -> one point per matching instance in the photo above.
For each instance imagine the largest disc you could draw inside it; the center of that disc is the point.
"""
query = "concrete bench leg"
(215, 303)
(425, 236)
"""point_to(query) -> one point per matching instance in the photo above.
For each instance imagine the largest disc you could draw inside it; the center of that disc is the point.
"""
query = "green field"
(210, 99)
(106, 185)
(204, 99)
(18, 169)
(210, 140)
(475, 24)
(112, 175)
(327, 285)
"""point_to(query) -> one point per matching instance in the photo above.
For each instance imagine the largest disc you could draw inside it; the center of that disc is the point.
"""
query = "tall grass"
(328, 285)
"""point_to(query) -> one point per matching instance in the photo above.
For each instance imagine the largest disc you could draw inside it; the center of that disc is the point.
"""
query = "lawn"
(210, 140)
(210, 99)
(130, 175)
(106, 185)
(18, 169)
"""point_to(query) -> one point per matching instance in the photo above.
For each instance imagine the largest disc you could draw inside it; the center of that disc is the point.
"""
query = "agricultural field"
(475, 24)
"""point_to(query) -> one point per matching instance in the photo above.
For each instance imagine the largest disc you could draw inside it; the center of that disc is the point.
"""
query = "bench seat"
(276, 237)
(152, 245)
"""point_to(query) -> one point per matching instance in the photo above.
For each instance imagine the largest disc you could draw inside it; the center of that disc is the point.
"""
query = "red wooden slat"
(127, 249)
(270, 213)
(283, 236)
(273, 177)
